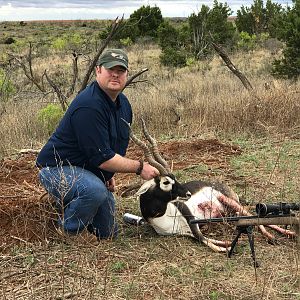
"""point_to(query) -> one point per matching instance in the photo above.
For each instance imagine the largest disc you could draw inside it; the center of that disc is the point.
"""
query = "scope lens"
(261, 209)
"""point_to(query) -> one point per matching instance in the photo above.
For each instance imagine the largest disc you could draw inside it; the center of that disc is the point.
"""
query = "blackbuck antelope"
(169, 206)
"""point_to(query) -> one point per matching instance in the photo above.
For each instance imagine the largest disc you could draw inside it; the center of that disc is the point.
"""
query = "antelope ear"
(145, 187)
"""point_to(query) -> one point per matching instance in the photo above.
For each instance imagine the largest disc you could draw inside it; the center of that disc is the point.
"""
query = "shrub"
(59, 44)
(9, 41)
(6, 86)
(173, 58)
(49, 117)
(289, 65)
(247, 41)
(126, 42)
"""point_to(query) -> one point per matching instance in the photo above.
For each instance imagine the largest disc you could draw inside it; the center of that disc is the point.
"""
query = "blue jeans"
(82, 199)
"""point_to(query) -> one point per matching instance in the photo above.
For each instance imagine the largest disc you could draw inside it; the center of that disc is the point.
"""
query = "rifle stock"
(254, 221)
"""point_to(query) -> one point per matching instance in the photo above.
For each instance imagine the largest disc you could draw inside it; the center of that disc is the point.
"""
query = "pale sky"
(19, 10)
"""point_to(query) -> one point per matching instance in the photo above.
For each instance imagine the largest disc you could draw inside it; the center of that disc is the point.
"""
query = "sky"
(21, 10)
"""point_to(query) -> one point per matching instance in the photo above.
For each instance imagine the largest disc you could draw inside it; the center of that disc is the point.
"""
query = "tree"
(143, 22)
(199, 31)
(289, 65)
(222, 31)
(168, 36)
(275, 15)
(260, 19)
(147, 20)
(245, 20)
(210, 23)
(173, 42)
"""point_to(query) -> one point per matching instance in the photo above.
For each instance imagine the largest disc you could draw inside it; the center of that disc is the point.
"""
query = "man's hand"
(149, 172)
(111, 184)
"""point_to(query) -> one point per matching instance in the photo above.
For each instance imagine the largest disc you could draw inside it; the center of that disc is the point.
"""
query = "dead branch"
(246, 83)
(28, 71)
(75, 73)
(28, 151)
(116, 26)
(131, 79)
(61, 97)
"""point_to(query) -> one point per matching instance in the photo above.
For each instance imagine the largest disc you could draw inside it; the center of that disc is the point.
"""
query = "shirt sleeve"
(92, 133)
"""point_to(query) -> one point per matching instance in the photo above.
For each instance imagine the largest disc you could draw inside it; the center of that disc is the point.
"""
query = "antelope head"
(164, 187)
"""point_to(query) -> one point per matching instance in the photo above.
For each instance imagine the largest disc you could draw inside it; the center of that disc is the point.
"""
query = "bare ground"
(21, 208)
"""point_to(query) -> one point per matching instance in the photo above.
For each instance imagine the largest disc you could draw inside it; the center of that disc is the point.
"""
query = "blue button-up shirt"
(90, 133)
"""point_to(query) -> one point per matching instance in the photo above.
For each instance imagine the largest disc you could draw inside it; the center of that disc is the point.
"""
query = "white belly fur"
(173, 222)
(205, 204)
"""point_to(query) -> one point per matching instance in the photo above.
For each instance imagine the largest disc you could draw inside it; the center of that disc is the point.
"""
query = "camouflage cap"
(113, 57)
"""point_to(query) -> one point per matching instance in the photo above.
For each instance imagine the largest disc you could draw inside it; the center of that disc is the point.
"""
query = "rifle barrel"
(252, 220)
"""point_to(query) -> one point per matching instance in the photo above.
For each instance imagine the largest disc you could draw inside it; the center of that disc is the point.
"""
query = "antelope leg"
(267, 234)
(283, 231)
(225, 244)
(213, 246)
(237, 207)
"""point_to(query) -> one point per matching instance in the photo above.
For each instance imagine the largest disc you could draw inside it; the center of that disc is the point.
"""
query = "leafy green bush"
(49, 116)
(126, 41)
(191, 61)
(9, 40)
(247, 41)
(168, 36)
(173, 58)
(289, 65)
(143, 22)
(6, 86)
(59, 44)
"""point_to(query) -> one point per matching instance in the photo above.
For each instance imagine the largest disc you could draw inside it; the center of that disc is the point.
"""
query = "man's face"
(111, 80)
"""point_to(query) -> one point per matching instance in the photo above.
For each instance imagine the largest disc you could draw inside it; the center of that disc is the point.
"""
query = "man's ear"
(98, 69)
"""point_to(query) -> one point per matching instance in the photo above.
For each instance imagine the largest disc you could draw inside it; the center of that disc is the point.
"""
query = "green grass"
(271, 165)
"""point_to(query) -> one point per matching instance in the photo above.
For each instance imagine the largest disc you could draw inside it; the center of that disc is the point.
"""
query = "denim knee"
(83, 197)
(94, 190)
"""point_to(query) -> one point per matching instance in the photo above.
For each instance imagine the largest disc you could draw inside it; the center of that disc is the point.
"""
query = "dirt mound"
(25, 217)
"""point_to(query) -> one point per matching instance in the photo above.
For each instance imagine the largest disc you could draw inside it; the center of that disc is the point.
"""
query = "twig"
(33, 188)
(19, 239)
(130, 80)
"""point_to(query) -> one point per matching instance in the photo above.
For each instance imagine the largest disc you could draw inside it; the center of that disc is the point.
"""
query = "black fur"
(197, 185)
(154, 202)
(185, 211)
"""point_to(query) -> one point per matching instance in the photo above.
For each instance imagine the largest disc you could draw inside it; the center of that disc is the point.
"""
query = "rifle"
(267, 214)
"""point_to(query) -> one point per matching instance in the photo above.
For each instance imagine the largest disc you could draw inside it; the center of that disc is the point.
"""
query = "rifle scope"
(281, 208)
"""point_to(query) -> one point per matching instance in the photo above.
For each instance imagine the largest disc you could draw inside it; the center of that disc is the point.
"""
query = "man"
(78, 162)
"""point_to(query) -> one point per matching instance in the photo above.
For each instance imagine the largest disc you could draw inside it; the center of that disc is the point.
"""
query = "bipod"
(246, 229)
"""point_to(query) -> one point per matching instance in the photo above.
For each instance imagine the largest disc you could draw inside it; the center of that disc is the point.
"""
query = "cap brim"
(109, 65)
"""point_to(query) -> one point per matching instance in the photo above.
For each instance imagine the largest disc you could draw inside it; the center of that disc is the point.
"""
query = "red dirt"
(25, 217)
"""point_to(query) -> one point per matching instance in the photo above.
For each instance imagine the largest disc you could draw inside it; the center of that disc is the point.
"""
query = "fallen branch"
(246, 83)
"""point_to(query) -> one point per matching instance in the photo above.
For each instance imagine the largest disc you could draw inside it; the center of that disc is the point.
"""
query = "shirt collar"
(114, 104)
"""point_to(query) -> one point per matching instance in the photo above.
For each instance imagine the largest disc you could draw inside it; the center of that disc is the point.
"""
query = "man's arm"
(121, 164)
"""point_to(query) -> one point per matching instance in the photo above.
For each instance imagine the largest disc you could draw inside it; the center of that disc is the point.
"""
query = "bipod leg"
(249, 231)
(240, 230)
